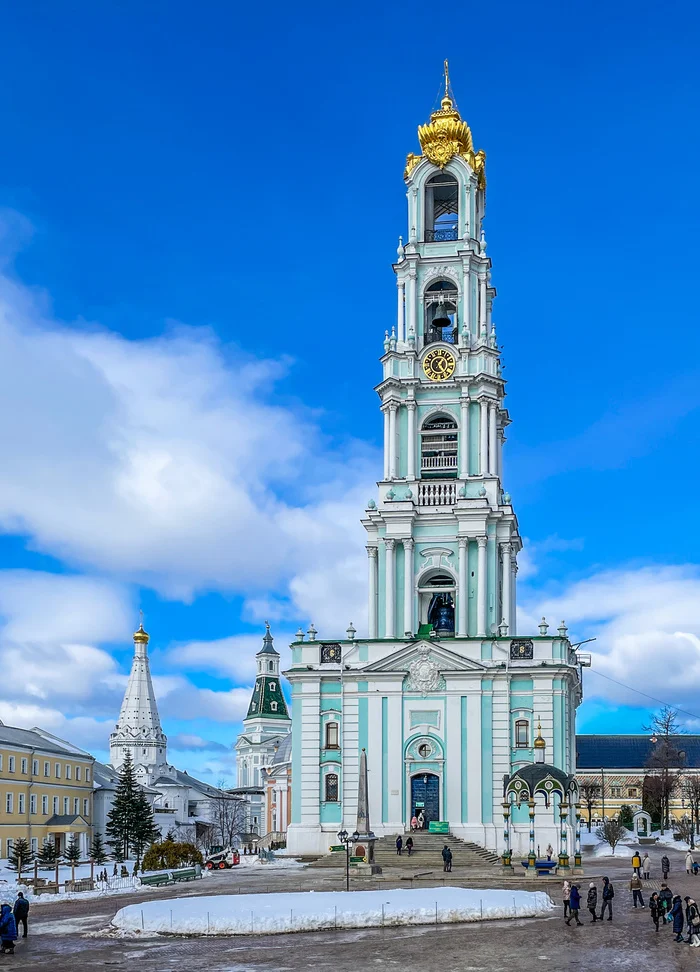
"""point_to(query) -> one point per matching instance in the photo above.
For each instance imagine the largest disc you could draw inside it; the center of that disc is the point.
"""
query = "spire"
(139, 729)
(268, 648)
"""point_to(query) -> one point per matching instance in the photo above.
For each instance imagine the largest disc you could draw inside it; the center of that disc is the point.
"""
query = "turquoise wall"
(487, 752)
(296, 756)
(463, 761)
(385, 760)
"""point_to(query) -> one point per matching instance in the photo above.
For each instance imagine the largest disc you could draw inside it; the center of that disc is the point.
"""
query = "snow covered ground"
(252, 860)
(243, 914)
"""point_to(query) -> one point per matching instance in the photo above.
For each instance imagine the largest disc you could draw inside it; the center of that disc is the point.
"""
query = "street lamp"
(345, 838)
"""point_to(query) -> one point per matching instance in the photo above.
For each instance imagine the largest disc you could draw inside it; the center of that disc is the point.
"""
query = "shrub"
(170, 853)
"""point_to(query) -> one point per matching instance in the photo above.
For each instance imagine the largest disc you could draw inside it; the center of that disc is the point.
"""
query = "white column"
(372, 553)
(400, 318)
(411, 301)
(463, 595)
(464, 438)
(408, 585)
(499, 455)
(467, 297)
(506, 576)
(390, 586)
(411, 406)
(392, 440)
(513, 601)
(482, 303)
(482, 586)
(493, 461)
(483, 437)
(386, 442)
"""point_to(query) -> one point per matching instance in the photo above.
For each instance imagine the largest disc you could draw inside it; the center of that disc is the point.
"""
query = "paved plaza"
(74, 935)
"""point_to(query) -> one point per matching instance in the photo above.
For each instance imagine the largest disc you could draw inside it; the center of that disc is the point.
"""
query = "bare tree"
(691, 793)
(666, 759)
(227, 816)
(589, 793)
(685, 829)
(612, 832)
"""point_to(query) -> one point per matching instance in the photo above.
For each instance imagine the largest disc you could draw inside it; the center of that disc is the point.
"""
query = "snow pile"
(252, 860)
(603, 850)
(269, 914)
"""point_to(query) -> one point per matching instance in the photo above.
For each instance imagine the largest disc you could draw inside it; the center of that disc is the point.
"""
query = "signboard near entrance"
(439, 827)
(420, 804)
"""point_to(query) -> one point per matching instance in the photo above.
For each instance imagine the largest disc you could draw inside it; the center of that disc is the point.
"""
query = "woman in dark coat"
(655, 909)
(677, 915)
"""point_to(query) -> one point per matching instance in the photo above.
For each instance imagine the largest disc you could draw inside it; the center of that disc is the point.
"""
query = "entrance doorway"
(425, 796)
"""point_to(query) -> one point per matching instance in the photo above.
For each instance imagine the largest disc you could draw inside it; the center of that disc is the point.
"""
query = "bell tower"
(442, 539)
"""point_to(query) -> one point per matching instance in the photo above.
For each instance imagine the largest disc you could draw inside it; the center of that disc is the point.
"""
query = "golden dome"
(445, 136)
(141, 637)
(539, 741)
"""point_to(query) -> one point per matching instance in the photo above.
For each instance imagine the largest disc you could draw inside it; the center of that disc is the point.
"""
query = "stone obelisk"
(365, 837)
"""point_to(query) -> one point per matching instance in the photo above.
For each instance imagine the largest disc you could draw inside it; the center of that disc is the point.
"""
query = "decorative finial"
(563, 630)
(503, 629)
(544, 627)
(371, 505)
(351, 632)
(312, 632)
(300, 634)
(141, 636)
(400, 252)
(387, 341)
(539, 741)
(447, 79)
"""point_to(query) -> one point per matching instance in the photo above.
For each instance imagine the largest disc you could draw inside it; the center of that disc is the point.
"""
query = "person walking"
(592, 901)
(677, 915)
(636, 862)
(689, 861)
(665, 866)
(409, 846)
(636, 889)
(574, 905)
(666, 901)
(692, 917)
(8, 930)
(414, 822)
(646, 866)
(446, 858)
(608, 895)
(21, 911)
(566, 893)
(421, 820)
(655, 909)
(399, 844)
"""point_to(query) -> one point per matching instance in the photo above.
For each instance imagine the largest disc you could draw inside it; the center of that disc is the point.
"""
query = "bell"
(441, 319)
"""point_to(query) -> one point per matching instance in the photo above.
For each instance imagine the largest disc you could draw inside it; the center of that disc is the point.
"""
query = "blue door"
(425, 796)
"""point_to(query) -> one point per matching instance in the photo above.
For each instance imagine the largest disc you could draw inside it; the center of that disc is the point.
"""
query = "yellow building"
(46, 787)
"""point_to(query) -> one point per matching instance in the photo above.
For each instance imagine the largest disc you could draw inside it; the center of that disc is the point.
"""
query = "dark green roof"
(268, 648)
(268, 699)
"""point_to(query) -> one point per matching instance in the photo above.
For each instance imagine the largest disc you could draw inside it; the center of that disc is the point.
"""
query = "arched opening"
(522, 734)
(425, 797)
(436, 597)
(438, 448)
(331, 788)
(441, 312)
(441, 208)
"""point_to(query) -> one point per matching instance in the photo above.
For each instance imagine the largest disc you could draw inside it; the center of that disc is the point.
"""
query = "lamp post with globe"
(345, 838)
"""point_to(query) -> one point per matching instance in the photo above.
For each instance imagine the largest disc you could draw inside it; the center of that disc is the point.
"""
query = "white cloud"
(232, 657)
(646, 621)
(162, 461)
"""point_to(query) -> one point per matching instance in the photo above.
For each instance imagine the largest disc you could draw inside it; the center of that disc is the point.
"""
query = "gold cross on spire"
(447, 79)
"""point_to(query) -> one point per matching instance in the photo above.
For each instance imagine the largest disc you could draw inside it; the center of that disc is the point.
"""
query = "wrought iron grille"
(441, 235)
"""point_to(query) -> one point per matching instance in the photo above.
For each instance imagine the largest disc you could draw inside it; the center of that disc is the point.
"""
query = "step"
(427, 853)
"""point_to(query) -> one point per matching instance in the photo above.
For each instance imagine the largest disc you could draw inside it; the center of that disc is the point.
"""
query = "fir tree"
(97, 849)
(130, 825)
(170, 835)
(48, 858)
(72, 853)
(21, 855)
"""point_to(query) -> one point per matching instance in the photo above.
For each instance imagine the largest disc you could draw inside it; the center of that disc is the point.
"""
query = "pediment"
(401, 661)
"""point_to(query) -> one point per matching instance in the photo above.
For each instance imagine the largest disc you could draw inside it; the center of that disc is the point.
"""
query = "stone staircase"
(427, 853)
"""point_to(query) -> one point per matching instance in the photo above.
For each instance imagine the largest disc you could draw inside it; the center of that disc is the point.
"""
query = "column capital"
(494, 404)
(408, 543)
(389, 543)
(393, 406)
(400, 282)
(506, 546)
(483, 400)
(482, 541)
(410, 404)
(463, 543)
(372, 552)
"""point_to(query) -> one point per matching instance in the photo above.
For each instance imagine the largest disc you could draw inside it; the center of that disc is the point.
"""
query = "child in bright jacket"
(8, 929)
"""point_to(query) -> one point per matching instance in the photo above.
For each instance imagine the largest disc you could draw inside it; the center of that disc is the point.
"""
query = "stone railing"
(437, 494)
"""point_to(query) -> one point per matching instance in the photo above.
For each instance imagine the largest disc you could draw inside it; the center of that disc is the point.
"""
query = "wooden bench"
(186, 874)
(156, 880)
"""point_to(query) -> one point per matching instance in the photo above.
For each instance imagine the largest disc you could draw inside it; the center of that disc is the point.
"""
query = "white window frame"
(9, 803)
(11, 764)
(47, 768)
(32, 802)
(45, 805)
(21, 802)
(24, 765)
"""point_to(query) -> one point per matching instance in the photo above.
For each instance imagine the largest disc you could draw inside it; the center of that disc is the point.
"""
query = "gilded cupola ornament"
(445, 136)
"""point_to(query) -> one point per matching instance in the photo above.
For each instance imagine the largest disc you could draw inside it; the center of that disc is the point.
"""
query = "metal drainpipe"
(29, 797)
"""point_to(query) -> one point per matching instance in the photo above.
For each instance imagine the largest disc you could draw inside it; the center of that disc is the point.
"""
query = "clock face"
(439, 364)
(330, 653)
(521, 649)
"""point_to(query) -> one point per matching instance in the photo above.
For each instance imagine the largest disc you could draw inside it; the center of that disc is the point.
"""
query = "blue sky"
(200, 206)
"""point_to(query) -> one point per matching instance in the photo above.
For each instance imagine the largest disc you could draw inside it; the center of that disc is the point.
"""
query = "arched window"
(331, 787)
(332, 735)
(441, 208)
(437, 603)
(438, 450)
(441, 312)
(522, 734)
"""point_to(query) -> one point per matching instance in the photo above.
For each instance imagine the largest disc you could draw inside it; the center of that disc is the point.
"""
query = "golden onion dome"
(141, 637)
(539, 741)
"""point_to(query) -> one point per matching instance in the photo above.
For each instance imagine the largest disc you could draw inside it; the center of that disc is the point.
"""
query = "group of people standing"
(11, 918)
(572, 901)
